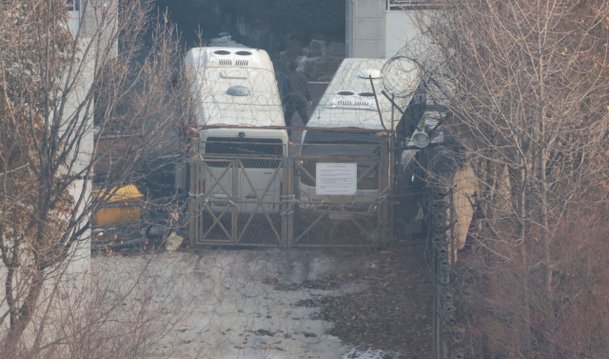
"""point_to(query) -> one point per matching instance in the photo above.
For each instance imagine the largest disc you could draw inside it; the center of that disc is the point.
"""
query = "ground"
(394, 312)
(278, 303)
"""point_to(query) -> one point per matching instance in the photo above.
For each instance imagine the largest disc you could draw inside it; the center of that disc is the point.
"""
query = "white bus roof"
(199, 57)
(234, 86)
(349, 100)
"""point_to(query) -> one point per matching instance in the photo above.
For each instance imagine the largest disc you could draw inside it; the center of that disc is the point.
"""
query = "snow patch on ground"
(357, 353)
(241, 303)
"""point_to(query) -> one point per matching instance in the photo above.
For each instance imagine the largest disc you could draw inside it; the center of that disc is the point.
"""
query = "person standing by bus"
(297, 97)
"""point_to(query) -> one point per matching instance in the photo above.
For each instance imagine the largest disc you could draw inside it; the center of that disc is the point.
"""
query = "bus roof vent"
(368, 73)
(238, 91)
(241, 62)
(345, 93)
(225, 62)
(221, 52)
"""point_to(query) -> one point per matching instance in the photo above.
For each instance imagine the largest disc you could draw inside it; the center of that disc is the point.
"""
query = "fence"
(238, 200)
(254, 195)
(442, 215)
(363, 219)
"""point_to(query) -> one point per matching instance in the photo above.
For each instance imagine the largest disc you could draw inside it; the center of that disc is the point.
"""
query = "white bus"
(239, 115)
(350, 121)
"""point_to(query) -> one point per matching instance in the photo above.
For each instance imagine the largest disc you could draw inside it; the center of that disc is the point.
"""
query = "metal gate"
(228, 204)
(276, 211)
(363, 219)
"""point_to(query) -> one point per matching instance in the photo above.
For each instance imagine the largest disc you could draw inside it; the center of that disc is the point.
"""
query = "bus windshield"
(318, 142)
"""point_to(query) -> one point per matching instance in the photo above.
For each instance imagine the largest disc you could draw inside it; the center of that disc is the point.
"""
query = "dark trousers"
(301, 108)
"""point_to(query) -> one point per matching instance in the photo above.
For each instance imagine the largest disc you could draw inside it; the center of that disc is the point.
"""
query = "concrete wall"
(93, 18)
(373, 30)
(94, 25)
(365, 33)
(400, 28)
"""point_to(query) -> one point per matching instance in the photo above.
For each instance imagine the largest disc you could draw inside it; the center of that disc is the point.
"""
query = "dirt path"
(394, 312)
(288, 303)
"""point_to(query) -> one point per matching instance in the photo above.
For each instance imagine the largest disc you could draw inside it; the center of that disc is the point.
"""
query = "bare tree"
(527, 83)
(64, 81)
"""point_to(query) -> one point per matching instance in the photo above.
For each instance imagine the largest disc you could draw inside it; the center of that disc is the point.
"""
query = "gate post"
(390, 184)
(385, 192)
(234, 196)
(287, 202)
(194, 205)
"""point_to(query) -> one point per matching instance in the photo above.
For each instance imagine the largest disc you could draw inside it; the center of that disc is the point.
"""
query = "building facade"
(381, 28)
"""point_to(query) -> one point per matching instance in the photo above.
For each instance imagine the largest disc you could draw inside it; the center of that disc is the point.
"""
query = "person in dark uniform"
(297, 97)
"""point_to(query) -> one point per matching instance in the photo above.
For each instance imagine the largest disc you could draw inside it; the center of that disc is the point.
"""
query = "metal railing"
(244, 199)
(413, 4)
(441, 218)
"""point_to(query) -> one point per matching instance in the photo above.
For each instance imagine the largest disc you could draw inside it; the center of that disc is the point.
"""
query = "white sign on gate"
(338, 179)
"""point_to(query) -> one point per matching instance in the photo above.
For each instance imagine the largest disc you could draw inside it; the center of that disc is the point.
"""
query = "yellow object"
(125, 193)
(123, 206)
